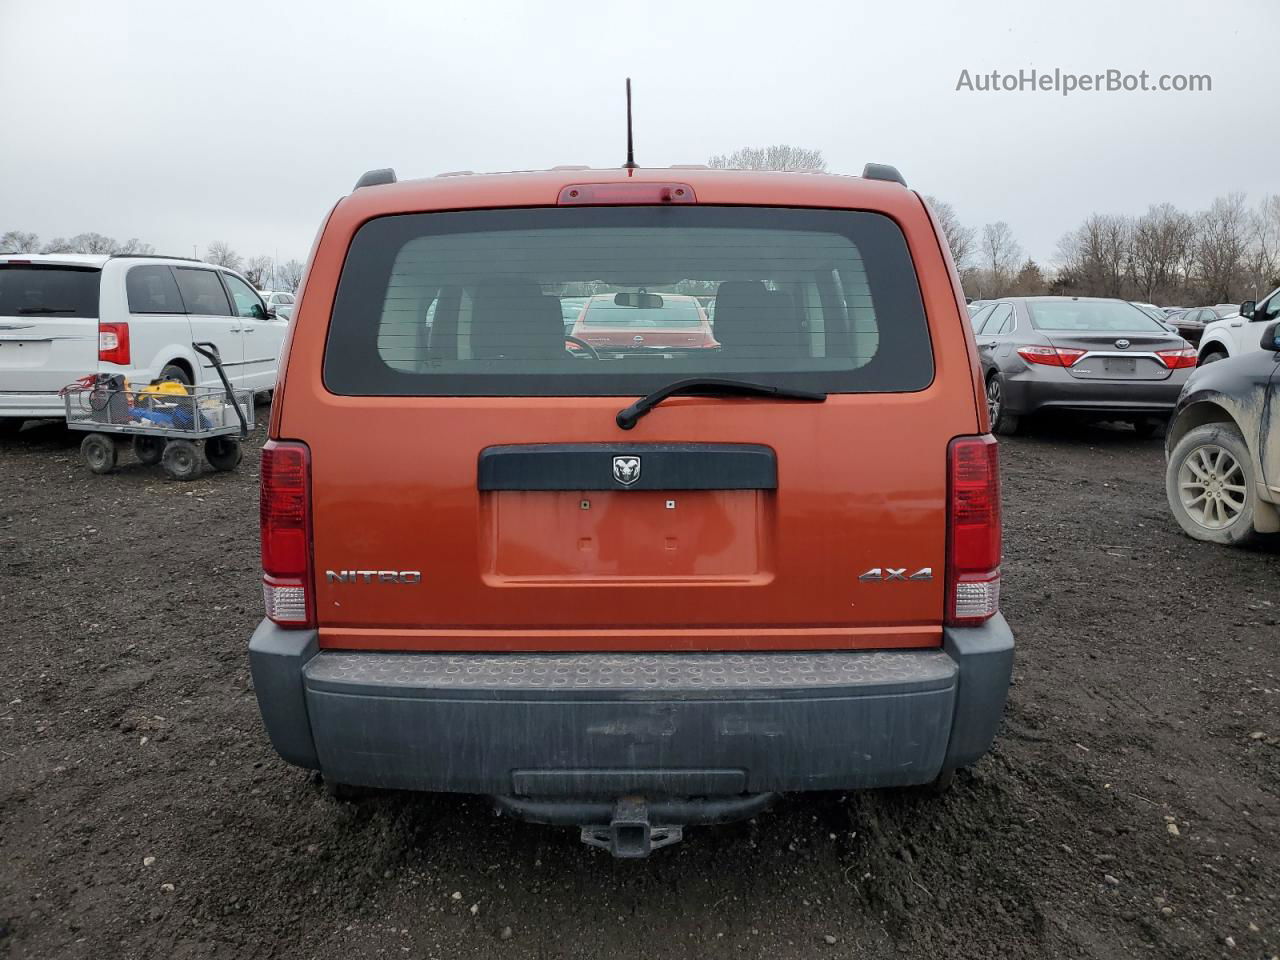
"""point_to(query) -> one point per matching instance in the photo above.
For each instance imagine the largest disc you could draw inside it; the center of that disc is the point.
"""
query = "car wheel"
(223, 453)
(148, 450)
(172, 371)
(1210, 484)
(181, 459)
(1213, 356)
(1002, 421)
(99, 452)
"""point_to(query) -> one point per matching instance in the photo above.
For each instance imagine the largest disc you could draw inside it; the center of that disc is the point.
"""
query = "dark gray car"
(1088, 356)
(1223, 473)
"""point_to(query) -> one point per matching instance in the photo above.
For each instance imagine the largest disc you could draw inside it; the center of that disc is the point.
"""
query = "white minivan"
(63, 316)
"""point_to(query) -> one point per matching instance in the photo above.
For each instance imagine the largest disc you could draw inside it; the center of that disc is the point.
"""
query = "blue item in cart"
(179, 418)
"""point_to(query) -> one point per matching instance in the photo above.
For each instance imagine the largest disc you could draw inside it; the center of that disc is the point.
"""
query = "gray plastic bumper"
(599, 724)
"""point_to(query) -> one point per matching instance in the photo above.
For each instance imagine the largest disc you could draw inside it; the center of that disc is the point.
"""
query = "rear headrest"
(512, 319)
(752, 321)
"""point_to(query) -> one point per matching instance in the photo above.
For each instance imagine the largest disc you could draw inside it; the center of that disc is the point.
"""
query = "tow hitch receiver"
(629, 833)
(626, 827)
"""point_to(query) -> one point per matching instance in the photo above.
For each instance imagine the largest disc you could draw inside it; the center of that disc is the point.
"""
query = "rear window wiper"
(709, 387)
(27, 311)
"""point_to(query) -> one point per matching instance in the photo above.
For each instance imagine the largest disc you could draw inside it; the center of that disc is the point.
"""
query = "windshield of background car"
(811, 299)
(674, 312)
(1090, 315)
(37, 290)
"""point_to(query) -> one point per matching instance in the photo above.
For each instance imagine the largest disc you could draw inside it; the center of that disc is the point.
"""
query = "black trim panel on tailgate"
(662, 466)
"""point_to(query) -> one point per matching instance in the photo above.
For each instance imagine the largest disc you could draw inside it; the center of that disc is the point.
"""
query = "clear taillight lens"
(113, 343)
(973, 530)
(285, 520)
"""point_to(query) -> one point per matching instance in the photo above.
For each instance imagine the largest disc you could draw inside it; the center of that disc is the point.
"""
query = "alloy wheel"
(1211, 484)
(994, 400)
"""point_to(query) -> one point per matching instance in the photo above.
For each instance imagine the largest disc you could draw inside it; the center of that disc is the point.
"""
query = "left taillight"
(285, 521)
(1177, 359)
(1050, 356)
(113, 343)
(973, 531)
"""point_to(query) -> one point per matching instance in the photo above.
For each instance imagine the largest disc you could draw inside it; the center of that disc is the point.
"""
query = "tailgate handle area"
(628, 466)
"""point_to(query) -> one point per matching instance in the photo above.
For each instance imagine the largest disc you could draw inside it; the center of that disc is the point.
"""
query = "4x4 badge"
(626, 470)
(878, 574)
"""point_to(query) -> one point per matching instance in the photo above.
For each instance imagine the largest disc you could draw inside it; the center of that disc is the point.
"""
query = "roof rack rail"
(882, 171)
(374, 178)
(151, 256)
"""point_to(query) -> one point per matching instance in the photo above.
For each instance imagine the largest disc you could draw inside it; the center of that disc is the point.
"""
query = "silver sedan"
(1090, 357)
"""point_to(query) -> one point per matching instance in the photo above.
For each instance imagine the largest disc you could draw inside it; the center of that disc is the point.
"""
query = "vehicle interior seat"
(752, 321)
(514, 320)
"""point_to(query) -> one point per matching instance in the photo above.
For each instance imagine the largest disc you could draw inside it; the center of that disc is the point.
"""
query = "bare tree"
(1263, 267)
(58, 245)
(1222, 241)
(135, 246)
(1159, 243)
(19, 241)
(1096, 254)
(92, 243)
(1001, 255)
(219, 252)
(290, 275)
(780, 156)
(257, 270)
(960, 239)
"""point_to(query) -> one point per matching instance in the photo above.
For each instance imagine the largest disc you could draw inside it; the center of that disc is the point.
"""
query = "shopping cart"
(164, 420)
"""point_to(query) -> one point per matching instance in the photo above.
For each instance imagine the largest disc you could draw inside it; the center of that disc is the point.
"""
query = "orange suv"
(631, 590)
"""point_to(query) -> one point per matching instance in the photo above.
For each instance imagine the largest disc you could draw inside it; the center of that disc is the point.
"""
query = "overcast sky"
(182, 123)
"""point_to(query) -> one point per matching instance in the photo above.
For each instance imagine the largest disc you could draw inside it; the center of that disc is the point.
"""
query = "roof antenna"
(631, 150)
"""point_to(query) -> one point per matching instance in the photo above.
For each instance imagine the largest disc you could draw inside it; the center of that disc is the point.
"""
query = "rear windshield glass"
(474, 303)
(675, 311)
(1104, 315)
(48, 291)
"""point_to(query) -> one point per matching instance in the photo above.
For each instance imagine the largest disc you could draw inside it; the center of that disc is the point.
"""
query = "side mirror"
(1271, 337)
(1247, 308)
(271, 312)
(259, 312)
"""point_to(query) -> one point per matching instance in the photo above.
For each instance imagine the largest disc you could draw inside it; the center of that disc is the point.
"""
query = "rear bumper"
(31, 406)
(604, 725)
(1047, 389)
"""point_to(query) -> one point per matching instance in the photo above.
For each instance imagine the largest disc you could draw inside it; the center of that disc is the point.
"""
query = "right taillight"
(285, 513)
(1178, 359)
(973, 531)
(113, 343)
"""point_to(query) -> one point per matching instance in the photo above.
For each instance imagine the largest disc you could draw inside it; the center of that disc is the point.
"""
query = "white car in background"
(63, 316)
(1240, 332)
(280, 300)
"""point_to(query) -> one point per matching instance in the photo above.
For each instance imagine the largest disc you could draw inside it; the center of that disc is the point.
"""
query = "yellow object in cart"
(161, 389)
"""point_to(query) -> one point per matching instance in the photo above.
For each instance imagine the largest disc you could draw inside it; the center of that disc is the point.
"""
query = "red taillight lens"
(973, 530)
(1176, 359)
(630, 192)
(113, 343)
(285, 514)
(1050, 356)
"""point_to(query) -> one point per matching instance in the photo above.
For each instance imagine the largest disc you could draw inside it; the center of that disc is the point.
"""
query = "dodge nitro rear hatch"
(625, 580)
(491, 462)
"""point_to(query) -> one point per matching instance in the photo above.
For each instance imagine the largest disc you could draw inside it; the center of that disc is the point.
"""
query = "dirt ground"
(1129, 808)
